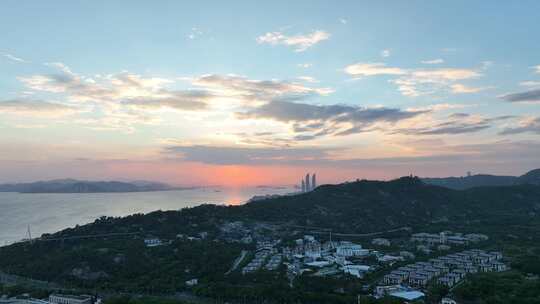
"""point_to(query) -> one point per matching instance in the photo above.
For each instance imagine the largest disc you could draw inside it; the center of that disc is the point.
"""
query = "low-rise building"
(153, 242)
(407, 255)
(382, 291)
(417, 279)
(390, 258)
(456, 240)
(446, 281)
(392, 279)
(410, 295)
(348, 249)
(57, 298)
(380, 242)
(448, 301)
(461, 272)
(498, 266)
(356, 270)
(476, 237)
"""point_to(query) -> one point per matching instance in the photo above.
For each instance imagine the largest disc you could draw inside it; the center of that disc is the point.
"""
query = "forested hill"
(367, 206)
(356, 207)
(483, 180)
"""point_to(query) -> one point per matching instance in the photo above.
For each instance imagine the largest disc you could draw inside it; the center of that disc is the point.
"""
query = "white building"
(347, 249)
(356, 270)
(380, 242)
(153, 242)
(69, 299)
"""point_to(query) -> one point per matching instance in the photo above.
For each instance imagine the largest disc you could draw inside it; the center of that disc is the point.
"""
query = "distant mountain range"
(79, 186)
(482, 180)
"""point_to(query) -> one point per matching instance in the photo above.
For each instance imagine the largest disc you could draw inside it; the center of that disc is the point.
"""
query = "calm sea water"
(46, 213)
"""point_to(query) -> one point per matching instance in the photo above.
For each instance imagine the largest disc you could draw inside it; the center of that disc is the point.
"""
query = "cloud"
(300, 43)
(343, 21)
(416, 82)
(445, 74)
(308, 79)
(438, 156)
(442, 107)
(243, 155)
(125, 88)
(194, 33)
(424, 82)
(459, 88)
(152, 92)
(457, 123)
(530, 83)
(124, 99)
(60, 66)
(528, 125)
(532, 96)
(385, 53)
(189, 100)
(312, 121)
(486, 64)
(433, 61)
(250, 91)
(448, 128)
(537, 69)
(37, 108)
(117, 101)
(372, 69)
(14, 58)
(304, 65)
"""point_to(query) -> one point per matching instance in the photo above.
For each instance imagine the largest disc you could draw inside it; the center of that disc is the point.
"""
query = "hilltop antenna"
(29, 233)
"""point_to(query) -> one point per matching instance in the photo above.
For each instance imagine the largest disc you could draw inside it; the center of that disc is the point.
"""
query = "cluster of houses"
(274, 262)
(53, 299)
(268, 257)
(449, 269)
(447, 237)
(326, 258)
(308, 254)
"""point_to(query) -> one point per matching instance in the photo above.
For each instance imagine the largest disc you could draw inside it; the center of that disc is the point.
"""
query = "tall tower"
(308, 187)
(303, 186)
(313, 181)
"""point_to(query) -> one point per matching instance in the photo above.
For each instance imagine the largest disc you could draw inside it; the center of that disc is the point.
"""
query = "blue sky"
(103, 89)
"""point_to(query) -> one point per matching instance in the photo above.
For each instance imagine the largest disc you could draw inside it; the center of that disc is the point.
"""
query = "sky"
(242, 93)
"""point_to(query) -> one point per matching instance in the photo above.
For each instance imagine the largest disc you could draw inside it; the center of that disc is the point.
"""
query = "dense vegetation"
(121, 265)
(499, 288)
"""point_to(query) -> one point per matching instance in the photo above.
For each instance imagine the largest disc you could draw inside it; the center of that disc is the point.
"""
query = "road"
(238, 261)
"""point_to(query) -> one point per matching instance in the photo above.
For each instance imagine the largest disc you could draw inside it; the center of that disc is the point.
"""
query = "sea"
(23, 214)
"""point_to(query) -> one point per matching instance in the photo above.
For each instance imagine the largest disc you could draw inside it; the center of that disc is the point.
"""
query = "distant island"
(484, 180)
(80, 186)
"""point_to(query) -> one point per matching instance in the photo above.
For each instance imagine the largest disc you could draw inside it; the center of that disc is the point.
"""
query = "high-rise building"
(303, 186)
(313, 181)
(308, 183)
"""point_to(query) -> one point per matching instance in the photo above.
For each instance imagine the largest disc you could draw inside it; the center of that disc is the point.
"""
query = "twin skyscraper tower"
(308, 185)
